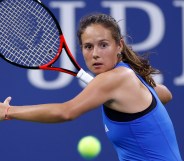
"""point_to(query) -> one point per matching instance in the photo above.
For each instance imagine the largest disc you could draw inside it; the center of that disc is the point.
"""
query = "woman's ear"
(121, 45)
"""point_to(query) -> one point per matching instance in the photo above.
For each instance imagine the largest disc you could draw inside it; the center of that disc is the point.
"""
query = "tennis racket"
(31, 37)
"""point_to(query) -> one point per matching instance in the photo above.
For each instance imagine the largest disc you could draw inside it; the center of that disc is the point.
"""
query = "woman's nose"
(95, 53)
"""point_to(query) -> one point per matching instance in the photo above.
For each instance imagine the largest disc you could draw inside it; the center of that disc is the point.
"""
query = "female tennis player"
(133, 111)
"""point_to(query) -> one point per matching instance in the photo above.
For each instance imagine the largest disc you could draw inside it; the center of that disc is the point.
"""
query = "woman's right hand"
(4, 107)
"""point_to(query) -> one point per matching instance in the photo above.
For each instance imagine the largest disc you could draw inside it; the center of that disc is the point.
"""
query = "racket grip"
(83, 76)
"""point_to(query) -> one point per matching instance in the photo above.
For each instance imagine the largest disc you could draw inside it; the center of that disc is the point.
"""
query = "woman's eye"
(87, 47)
(103, 45)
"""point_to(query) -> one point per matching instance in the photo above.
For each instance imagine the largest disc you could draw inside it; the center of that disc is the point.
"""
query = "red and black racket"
(31, 37)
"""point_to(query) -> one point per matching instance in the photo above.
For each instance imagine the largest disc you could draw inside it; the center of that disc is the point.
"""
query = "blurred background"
(152, 26)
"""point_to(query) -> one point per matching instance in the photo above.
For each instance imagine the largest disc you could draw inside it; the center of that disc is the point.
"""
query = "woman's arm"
(95, 94)
(163, 93)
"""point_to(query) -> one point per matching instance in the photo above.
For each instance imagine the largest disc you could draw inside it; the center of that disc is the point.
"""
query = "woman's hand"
(163, 93)
(4, 108)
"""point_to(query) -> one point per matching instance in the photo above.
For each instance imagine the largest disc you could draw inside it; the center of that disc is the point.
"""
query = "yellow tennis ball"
(89, 147)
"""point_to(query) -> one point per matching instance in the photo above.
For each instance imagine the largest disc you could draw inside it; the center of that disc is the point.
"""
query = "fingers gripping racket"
(31, 37)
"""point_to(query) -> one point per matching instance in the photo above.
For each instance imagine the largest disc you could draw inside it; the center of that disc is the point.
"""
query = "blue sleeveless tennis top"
(150, 137)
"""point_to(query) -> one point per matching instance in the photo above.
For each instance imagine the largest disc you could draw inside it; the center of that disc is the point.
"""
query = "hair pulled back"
(139, 63)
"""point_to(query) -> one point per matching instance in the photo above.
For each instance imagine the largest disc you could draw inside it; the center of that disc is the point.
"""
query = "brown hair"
(139, 63)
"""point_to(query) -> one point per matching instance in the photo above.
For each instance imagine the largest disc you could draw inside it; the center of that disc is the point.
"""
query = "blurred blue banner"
(152, 26)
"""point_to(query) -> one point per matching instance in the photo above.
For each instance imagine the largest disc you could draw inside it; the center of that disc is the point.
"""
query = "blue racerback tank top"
(148, 138)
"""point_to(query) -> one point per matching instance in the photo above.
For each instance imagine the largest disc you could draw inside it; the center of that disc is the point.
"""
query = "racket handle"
(83, 76)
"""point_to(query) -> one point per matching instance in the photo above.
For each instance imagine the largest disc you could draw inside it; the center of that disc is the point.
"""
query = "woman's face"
(99, 49)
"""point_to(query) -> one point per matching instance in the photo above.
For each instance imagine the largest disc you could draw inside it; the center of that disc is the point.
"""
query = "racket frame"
(81, 74)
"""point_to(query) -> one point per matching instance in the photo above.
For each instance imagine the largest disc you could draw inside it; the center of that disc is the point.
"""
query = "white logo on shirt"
(106, 129)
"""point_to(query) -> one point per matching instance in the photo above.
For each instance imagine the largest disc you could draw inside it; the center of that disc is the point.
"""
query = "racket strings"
(13, 37)
(29, 35)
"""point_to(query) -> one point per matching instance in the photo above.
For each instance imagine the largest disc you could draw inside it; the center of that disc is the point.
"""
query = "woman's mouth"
(97, 65)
